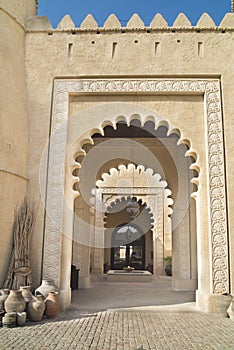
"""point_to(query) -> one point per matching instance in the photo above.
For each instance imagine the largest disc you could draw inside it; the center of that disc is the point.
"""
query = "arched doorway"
(212, 224)
(128, 247)
(169, 160)
(152, 216)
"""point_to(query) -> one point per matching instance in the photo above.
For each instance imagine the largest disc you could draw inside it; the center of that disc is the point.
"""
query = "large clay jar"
(36, 308)
(45, 288)
(52, 304)
(15, 302)
(27, 294)
(3, 296)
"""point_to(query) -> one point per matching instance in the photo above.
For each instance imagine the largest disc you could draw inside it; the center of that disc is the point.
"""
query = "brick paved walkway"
(120, 316)
(122, 331)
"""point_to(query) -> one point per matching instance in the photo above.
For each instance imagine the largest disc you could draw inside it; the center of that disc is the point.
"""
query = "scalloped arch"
(88, 139)
(171, 130)
(143, 177)
(131, 176)
(120, 198)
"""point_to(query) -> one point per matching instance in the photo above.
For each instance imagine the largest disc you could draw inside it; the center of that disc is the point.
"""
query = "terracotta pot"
(52, 304)
(45, 288)
(36, 308)
(3, 296)
(15, 302)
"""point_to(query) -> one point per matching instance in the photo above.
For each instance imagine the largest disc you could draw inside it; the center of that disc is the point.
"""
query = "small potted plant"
(168, 267)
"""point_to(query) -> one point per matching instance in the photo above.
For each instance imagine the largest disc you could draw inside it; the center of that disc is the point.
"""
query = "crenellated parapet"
(135, 23)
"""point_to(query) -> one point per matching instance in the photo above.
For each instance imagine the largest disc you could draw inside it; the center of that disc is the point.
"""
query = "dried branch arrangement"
(19, 271)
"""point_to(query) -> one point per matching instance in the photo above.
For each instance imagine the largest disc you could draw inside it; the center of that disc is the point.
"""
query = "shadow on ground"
(156, 295)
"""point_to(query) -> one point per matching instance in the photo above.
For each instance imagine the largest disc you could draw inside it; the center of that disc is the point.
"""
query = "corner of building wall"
(19, 10)
(14, 115)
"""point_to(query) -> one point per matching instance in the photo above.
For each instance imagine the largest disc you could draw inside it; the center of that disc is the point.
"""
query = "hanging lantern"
(133, 208)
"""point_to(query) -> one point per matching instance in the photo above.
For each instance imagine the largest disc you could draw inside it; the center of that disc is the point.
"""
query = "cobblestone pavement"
(120, 316)
(122, 330)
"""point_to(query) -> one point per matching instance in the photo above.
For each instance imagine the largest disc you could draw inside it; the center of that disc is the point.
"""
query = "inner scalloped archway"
(145, 139)
(123, 184)
(174, 159)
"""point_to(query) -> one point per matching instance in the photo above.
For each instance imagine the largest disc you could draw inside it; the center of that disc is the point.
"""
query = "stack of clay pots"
(35, 305)
(18, 305)
(50, 294)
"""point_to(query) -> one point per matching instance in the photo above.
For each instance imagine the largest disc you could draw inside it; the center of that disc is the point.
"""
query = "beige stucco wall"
(13, 128)
(19, 9)
(90, 55)
(88, 52)
(47, 58)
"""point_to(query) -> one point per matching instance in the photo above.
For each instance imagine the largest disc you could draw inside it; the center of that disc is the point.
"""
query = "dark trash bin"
(74, 277)
(106, 267)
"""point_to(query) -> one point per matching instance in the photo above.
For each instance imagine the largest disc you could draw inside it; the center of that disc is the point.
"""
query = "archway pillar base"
(214, 303)
(65, 298)
(97, 270)
(159, 271)
(184, 284)
(84, 282)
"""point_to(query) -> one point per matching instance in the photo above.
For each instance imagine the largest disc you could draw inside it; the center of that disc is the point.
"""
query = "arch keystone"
(66, 23)
(112, 22)
(182, 21)
(135, 22)
(158, 22)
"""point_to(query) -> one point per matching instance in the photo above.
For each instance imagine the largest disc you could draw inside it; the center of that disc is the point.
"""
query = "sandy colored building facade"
(92, 118)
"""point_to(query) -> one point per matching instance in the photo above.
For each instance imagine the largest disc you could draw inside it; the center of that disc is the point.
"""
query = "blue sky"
(55, 10)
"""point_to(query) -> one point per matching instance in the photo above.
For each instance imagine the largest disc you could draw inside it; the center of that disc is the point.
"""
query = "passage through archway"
(218, 282)
(128, 247)
(168, 158)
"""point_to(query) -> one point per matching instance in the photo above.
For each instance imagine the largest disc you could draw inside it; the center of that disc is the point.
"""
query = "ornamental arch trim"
(209, 88)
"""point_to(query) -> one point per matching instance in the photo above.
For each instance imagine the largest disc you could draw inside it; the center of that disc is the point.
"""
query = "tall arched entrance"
(147, 193)
(128, 247)
(204, 223)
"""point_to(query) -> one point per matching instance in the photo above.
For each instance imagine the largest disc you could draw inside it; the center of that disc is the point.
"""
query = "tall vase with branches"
(19, 270)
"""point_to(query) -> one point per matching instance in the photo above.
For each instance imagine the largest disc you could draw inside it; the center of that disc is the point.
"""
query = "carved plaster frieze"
(131, 191)
(210, 88)
(98, 231)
